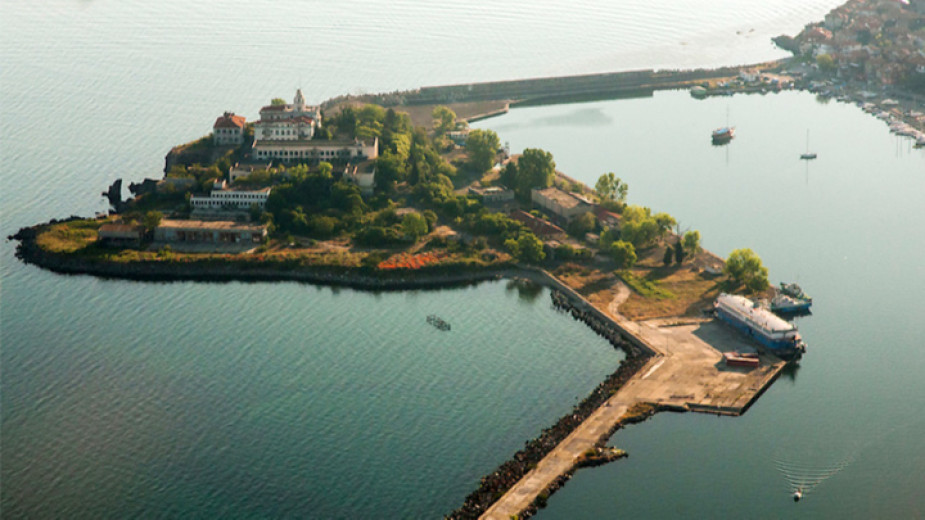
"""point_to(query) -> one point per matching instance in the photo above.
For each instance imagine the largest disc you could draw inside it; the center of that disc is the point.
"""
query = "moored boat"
(785, 304)
(436, 321)
(778, 335)
(795, 291)
(723, 135)
(741, 359)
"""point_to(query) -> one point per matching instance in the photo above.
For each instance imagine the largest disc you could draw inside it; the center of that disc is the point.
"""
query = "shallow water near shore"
(271, 400)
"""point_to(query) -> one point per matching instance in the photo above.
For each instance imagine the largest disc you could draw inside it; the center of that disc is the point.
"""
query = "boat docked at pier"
(785, 304)
(759, 323)
(795, 291)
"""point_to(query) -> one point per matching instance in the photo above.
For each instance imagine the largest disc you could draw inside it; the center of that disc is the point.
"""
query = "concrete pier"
(685, 373)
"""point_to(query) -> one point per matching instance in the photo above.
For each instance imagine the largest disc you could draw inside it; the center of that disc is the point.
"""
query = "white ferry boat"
(759, 323)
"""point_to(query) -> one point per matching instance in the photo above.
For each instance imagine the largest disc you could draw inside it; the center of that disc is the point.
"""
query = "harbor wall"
(539, 90)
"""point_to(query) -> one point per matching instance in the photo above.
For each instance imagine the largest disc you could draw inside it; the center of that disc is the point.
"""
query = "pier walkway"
(687, 373)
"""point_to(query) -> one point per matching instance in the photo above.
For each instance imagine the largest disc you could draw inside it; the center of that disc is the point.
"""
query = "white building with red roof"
(288, 122)
(228, 129)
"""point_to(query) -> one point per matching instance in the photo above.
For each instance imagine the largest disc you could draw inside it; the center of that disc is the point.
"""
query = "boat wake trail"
(803, 477)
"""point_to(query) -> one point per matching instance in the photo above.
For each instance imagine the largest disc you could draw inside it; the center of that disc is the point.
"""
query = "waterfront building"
(120, 235)
(316, 150)
(228, 129)
(562, 204)
(223, 197)
(363, 175)
(209, 232)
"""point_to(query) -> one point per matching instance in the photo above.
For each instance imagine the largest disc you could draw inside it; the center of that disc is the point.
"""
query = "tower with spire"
(295, 122)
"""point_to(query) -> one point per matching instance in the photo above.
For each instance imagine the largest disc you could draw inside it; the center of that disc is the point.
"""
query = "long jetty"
(543, 90)
(684, 372)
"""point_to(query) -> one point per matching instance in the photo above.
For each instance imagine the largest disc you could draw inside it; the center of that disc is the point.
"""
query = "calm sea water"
(846, 226)
(270, 400)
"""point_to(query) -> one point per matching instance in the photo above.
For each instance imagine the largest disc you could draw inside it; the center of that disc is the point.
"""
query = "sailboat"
(725, 134)
(807, 155)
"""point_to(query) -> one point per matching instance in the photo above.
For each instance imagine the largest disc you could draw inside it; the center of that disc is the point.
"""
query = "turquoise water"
(846, 226)
(271, 400)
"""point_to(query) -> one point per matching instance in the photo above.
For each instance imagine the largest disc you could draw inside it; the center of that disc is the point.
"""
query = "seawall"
(545, 90)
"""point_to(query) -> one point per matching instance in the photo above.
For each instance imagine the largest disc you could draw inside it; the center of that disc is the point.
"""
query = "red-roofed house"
(228, 129)
(539, 227)
(607, 218)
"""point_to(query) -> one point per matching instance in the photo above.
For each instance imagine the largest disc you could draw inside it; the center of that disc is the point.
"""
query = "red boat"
(741, 359)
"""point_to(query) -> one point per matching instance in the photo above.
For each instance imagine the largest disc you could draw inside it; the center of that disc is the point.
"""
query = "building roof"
(300, 119)
(603, 214)
(220, 225)
(562, 198)
(313, 143)
(538, 226)
(229, 120)
(120, 228)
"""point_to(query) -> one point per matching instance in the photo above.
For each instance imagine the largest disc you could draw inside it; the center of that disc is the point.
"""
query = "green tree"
(610, 187)
(623, 253)
(668, 257)
(609, 236)
(277, 102)
(326, 169)
(691, 242)
(530, 248)
(508, 175)
(431, 219)
(745, 267)
(414, 225)
(583, 224)
(369, 121)
(482, 145)
(665, 223)
(535, 169)
(323, 226)
(444, 119)
(679, 253)
(390, 169)
(152, 220)
(825, 62)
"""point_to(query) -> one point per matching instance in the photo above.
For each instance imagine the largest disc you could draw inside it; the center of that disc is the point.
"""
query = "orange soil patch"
(406, 261)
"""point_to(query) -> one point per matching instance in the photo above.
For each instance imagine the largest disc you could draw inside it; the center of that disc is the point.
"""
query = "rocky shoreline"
(360, 278)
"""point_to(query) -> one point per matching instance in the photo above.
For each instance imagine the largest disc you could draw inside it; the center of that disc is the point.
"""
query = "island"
(395, 191)
(360, 195)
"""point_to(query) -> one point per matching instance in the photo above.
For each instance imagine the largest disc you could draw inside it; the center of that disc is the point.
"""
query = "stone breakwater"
(495, 484)
(603, 328)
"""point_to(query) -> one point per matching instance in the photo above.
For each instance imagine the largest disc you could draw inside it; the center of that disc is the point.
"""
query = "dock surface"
(686, 373)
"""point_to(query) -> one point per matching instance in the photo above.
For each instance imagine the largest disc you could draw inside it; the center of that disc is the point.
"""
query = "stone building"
(209, 232)
(228, 129)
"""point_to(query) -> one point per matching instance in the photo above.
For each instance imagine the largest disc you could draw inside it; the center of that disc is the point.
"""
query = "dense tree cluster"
(744, 267)
(482, 147)
(534, 169)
